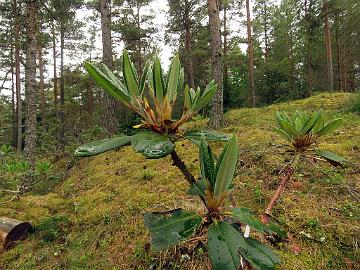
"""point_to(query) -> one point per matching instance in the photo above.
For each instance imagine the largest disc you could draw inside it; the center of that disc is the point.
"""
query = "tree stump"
(12, 230)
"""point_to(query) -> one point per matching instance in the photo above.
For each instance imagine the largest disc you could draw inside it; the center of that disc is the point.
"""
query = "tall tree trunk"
(55, 79)
(90, 103)
(291, 64)
(30, 85)
(13, 96)
(225, 45)
(250, 55)
(338, 53)
(188, 48)
(42, 83)
(61, 132)
(216, 111)
(109, 115)
(329, 64)
(139, 47)
(17, 78)
(308, 49)
(265, 12)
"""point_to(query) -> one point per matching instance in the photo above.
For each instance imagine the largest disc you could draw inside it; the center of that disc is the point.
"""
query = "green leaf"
(286, 126)
(206, 97)
(158, 80)
(152, 145)
(309, 124)
(283, 133)
(105, 83)
(173, 78)
(171, 228)
(331, 157)
(259, 255)
(223, 243)
(94, 148)
(187, 98)
(198, 188)
(143, 78)
(130, 76)
(114, 80)
(227, 167)
(207, 164)
(330, 127)
(209, 135)
(245, 216)
(319, 124)
(298, 125)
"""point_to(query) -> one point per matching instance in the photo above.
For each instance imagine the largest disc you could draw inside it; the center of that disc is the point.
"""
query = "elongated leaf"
(198, 188)
(205, 98)
(244, 216)
(187, 98)
(181, 80)
(319, 124)
(330, 127)
(310, 123)
(298, 125)
(94, 148)
(283, 133)
(171, 228)
(173, 78)
(207, 165)
(259, 255)
(152, 145)
(209, 135)
(130, 76)
(143, 78)
(158, 80)
(224, 242)
(331, 157)
(286, 126)
(227, 167)
(113, 79)
(101, 79)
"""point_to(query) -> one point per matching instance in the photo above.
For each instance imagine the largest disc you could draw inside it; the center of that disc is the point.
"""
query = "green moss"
(104, 198)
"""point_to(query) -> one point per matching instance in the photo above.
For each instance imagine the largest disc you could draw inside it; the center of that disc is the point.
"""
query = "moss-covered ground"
(93, 218)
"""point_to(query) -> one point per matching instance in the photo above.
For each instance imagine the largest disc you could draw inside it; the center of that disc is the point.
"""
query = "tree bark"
(42, 83)
(90, 103)
(55, 79)
(265, 11)
(329, 64)
(216, 111)
(188, 48)
(61, 132)
(109, 115)
(11, 231)
(338, 53)
(250, 55)
(17, 79)
(30, 86)
(225, 45)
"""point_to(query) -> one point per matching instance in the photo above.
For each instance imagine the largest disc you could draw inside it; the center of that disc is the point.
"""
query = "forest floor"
(93, 218)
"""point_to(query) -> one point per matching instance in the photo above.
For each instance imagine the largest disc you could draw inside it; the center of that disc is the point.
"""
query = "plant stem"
(185, 171)
(288, 171)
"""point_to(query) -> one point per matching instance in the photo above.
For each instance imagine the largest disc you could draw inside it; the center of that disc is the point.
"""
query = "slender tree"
(216, 111)
(109, 114)
(30, 83)
(329, 60)
(250, 55)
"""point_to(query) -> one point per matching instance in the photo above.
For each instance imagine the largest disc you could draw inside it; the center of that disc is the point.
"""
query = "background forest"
(265, 56)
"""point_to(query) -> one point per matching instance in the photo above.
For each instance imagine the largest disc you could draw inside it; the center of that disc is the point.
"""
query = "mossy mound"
(93, 219)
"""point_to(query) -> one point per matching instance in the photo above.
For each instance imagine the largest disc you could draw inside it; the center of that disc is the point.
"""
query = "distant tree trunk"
(42, 84)
(216, 111)
(61, 132)
(188, 48)
(30, 84)
(55, 79)
(329, 64)
(338, 53)
(90, 103)
(250, 55)
(266, 26)
(17, 78)
(291, 64)
(139, 47)
(13, 96)
(225, 45)
(109, 115)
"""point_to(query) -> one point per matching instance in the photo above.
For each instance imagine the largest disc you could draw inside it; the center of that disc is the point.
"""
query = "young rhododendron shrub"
(303, 132)
(156, 113)
(228, 248)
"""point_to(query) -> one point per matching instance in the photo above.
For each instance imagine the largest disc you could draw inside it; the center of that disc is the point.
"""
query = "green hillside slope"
(93, 219)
